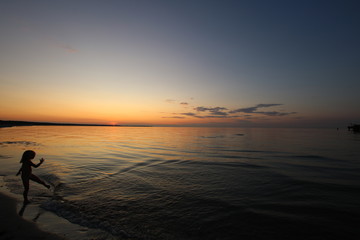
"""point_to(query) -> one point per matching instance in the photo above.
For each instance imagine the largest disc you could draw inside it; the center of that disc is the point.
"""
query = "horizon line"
(17, 123)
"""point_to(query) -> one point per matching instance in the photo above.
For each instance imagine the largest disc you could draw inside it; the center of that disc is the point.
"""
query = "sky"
(187, 63)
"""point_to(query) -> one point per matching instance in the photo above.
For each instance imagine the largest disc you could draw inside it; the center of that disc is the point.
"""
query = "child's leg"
(25, 181)
(38, 180)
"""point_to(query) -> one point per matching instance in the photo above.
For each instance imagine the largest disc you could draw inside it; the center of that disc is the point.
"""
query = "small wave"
(310, 157)
(173, 161)
(250, 151)
(57, 184)
(234, 157)
(229, 164)
(53, 179)
(136, 166)
(69, 211)
(217, 136)
(26, 143)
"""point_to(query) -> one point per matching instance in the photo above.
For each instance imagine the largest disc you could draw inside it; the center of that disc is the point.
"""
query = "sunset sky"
(199, 63)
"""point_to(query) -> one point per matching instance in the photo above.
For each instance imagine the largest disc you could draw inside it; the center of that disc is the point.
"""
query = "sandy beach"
(13, 227)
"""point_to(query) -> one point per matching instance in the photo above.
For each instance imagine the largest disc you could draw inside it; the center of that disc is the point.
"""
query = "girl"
(26, 172)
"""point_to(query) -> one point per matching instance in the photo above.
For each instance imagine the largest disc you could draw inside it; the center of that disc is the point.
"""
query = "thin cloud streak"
(176, 117)
(255, 108)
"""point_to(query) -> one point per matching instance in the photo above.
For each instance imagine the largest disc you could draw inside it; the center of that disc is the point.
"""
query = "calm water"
(195, 183)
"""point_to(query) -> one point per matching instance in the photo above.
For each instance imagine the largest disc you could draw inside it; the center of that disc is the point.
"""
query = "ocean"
(194, 183)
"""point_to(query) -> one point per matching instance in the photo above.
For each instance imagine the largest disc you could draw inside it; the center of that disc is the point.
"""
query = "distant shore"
(25, 123)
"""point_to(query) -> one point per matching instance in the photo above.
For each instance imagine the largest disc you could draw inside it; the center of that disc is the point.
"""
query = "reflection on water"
(195, 183)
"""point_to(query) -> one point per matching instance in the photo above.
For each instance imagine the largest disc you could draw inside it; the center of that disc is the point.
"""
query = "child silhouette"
(26, 172)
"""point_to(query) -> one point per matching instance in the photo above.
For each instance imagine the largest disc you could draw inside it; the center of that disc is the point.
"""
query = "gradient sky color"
(200, 63)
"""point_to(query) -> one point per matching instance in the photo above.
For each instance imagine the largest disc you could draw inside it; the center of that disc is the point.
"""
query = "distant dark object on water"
(239, 134)
(354, 127)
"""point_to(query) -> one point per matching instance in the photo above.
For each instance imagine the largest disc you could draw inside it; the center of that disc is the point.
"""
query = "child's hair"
(28, 154)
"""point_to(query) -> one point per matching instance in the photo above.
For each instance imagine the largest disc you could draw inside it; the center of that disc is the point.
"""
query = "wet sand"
(12, 226)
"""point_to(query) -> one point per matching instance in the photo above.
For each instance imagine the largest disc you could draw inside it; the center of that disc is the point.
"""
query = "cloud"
(223, 112)
(244, 110)
(177, 117)
(255, 108)
(213, 115)
(182, 103)
(220, 116)
(215, 109)
(268, 105)
(274, 113)
(201, 109)
(218, 111)
(189, 114)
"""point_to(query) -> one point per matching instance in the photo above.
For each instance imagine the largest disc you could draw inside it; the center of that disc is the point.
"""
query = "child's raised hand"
(42, 160)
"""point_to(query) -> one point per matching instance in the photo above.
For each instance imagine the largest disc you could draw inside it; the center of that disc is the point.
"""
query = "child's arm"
(38, 165)
(19, 172)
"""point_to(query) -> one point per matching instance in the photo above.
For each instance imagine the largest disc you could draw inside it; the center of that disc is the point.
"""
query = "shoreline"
(14, 227)
(30, 221)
